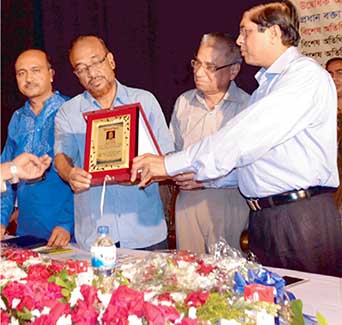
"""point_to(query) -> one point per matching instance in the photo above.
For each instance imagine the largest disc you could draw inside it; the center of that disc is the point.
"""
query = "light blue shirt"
(286, 139)
(48, 203)
(135, 216)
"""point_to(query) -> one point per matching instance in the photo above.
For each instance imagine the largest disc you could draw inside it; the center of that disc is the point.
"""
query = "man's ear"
(52, 74)
(111, 60)
(234, 70)
(276, 33)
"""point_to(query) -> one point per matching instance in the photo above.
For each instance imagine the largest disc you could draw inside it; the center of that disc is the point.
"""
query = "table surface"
(320, 293)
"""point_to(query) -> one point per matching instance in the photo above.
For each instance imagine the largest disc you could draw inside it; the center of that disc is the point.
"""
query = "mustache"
(95, 79)
(29, 84)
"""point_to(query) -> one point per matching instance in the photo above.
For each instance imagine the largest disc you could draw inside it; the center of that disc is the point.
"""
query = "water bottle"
(103, 253)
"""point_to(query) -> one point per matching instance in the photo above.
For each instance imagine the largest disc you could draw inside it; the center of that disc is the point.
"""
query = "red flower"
(55, 267)
(204, 269)
(197, 299)
(115, 315)
(124, 302)
(159, 315)
(84, 313)
(27, 302)
(4, 318)
(18, 255)
(37, 272)
(13, 290)
(74, 266)
(166, 296)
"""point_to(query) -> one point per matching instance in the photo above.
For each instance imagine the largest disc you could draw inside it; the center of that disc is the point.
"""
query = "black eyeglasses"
(83, 69)
(208, 67)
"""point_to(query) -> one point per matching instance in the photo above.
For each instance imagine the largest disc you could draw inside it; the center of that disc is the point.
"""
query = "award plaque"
(113, 138)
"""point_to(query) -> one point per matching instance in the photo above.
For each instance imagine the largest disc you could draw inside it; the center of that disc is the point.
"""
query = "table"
(321, 293)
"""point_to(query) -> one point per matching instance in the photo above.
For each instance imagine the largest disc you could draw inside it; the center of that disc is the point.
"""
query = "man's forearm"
(63, 165)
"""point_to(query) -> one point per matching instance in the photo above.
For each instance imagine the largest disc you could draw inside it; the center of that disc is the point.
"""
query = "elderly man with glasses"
(204, 215)
(135, 217)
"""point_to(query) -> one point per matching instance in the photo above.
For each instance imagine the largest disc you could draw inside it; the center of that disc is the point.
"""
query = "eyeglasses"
(244, 32)
(208, 67)
(83, 69)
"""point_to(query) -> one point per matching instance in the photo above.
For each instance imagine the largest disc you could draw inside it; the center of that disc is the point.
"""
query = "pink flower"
(197, 299)
(89, 294)
(57, 310)
(159, 315)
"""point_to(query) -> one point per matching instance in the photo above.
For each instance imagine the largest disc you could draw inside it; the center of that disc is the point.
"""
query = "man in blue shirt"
(45, 206)
(135, 217)
(283, 147)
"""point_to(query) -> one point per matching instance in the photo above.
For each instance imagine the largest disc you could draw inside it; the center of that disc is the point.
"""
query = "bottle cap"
(103, 230)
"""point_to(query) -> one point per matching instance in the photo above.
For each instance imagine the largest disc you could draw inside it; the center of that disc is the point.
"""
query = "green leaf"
(297, 310)
(25, 314)
(321, 320)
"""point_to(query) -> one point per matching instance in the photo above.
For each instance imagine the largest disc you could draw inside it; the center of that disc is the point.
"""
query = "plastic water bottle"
(103, 253)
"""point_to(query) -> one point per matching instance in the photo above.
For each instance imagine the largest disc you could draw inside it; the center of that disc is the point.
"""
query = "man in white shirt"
(204, 214)
(283, 147)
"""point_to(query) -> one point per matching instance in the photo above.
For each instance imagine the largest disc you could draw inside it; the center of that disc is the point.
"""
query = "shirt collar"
(278, 65)
(121, 98)
(47, 104)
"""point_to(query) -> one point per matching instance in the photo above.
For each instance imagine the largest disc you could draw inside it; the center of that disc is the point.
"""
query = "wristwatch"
(14, 173)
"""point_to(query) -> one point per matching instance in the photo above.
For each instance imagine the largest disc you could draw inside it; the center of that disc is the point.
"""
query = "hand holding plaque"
(113, 138)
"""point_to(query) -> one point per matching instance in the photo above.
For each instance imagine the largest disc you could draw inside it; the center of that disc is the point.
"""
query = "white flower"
(2, 304)
(229, 322)
(15, 303)
(75, 296)
(14, 321)
(64, 320)
(35, 313)
(192, 312)
(178, 296)
(134, 320)
(84, 278)
(148, 296)
(104, 298)
(46, 310)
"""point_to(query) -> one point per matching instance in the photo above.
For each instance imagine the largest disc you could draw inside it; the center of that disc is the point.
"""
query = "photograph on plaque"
(113, 138)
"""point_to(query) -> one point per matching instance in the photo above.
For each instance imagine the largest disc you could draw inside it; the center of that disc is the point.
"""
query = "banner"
(320, 28)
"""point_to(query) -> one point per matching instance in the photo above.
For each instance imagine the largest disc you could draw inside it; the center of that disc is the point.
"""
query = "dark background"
(152, 41)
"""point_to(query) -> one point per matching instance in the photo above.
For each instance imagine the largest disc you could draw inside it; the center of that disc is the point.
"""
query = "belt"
(287, 197)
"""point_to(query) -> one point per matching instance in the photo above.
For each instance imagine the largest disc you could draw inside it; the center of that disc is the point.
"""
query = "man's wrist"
(14, 173)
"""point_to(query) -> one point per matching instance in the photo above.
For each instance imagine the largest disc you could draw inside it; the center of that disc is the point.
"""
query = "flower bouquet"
(162, 288)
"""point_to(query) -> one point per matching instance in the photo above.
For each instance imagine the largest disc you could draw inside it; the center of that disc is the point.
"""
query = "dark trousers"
(304, 235)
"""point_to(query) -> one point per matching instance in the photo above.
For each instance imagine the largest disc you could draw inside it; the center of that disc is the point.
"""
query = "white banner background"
(320, 28)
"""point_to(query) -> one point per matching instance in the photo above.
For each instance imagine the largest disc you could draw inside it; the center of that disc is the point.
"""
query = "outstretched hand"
(30, 166)
(150, 168)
